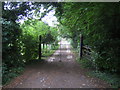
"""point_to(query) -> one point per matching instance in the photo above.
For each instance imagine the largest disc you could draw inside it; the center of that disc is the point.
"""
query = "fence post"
(40, 54)
(81, 45)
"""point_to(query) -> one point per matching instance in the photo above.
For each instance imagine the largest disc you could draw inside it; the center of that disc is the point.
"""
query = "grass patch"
(45, 54)
(112, 79)
(48, 53)
(84, 63)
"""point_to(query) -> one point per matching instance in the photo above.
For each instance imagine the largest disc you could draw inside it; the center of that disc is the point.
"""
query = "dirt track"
(59, 71)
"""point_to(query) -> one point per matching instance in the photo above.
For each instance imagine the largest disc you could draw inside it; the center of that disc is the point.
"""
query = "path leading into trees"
(60, 71)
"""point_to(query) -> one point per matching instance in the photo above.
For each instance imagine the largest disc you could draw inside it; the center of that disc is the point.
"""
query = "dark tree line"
(99, 24)
(20, 42)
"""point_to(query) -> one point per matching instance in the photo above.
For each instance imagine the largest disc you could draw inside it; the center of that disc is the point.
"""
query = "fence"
(85, 51)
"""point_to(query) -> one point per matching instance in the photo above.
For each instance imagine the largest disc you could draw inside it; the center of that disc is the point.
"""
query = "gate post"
(81, 45)
(40, 54)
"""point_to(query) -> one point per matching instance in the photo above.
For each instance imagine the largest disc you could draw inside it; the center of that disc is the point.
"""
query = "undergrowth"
(110, 78)
(9, 73)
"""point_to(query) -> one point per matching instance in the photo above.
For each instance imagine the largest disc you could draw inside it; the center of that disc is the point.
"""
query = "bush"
(112, 79)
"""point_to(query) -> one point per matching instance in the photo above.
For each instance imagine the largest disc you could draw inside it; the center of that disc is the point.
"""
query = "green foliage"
(112, 79)
(10, 42)
(31, 29)
(99, 24)
(9, 73)
(20, 42)
(85, 63)
(48, 53)
(11, 55)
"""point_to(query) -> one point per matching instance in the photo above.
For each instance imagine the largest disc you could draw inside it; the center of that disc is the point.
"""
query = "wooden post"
(81, 45)
(40, 54)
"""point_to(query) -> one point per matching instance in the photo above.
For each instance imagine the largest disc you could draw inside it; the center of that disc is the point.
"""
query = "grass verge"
(110, 78)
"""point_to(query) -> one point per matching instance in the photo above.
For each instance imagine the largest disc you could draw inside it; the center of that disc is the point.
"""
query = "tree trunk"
(40, 54)
(81, 45)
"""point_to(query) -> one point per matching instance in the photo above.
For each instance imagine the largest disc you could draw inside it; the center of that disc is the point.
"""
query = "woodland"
(99, 23)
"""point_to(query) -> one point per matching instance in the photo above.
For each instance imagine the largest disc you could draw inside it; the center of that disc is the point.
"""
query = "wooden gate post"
(40, 54)
(81, 45)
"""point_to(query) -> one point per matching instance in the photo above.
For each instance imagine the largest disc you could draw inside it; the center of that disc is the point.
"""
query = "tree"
(99, 24)
(14, 44)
